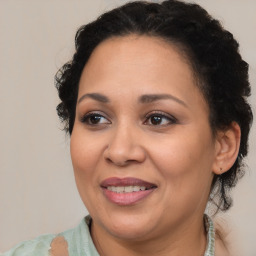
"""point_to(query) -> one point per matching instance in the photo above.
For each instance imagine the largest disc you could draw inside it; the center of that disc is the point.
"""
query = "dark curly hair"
(211, 50)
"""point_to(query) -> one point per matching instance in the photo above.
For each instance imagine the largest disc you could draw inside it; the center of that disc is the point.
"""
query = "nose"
(125, 147)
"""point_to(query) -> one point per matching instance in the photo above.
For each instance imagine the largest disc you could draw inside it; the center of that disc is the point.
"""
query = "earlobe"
(227, 148)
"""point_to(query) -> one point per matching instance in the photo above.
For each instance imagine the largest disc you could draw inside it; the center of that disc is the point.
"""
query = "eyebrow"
(95, 96)
(149, 98)
(146, 98)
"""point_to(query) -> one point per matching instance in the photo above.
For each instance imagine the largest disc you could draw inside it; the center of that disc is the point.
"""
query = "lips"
(126, 191)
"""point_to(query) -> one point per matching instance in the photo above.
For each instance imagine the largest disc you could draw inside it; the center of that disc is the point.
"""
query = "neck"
(188, 239)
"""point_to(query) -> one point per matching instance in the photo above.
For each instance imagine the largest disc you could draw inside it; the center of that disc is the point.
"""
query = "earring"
(220, 170)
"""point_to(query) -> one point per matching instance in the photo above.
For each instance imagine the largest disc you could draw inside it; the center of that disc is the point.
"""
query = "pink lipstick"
(126, 191)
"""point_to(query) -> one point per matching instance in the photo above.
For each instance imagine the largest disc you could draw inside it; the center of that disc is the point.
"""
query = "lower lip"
(126, 198)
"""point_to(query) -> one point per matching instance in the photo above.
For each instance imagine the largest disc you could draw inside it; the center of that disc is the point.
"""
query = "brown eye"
(159, 119)
(94, 119)
(155, 120)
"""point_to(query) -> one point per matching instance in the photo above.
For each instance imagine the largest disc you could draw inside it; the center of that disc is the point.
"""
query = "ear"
(227, 148)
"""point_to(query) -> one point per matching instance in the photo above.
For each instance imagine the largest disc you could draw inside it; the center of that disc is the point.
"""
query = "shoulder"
(38, 246)
(52, 244)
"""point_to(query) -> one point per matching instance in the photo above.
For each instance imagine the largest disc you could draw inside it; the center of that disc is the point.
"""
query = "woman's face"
(142, 148)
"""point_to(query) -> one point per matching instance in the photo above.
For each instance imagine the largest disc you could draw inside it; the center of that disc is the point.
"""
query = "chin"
(129, 227)
(130, 233)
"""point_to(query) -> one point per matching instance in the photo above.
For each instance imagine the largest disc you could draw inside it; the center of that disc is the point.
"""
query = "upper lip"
(129, 181)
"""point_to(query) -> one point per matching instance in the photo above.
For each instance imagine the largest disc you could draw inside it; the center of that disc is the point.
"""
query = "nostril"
(118, 163)
(122, 152)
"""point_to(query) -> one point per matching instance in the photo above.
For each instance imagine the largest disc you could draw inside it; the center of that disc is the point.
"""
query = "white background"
(37, 189)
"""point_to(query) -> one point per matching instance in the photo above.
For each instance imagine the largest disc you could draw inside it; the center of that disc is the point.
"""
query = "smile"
(126, 191)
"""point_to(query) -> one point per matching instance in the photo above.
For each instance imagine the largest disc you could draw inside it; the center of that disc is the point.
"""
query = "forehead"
(141, 64)
(138, 49)
(144, 53)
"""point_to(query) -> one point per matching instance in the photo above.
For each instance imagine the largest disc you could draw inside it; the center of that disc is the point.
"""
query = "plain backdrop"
(37, 189)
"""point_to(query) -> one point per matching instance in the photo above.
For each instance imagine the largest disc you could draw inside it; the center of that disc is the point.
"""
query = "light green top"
(80, 242)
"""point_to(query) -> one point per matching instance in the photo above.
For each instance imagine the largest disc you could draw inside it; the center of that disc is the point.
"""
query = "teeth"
(136, 188)
(127, 189)
(119, 189)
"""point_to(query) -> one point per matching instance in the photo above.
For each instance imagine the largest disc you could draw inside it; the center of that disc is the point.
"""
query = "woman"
(154, 100)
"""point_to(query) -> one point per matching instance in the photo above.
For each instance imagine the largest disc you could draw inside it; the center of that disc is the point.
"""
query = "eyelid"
(162, 114)
(85, 117)
(93, 113)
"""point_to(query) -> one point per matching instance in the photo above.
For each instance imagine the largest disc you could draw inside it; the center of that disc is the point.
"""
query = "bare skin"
(59, 247)
(114, 136)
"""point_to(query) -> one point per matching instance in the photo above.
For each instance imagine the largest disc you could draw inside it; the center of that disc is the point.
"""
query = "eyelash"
(86, 118)
(171, 119)
(161, 115)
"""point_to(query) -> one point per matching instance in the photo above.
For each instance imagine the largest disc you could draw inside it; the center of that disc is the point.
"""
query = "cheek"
(85, 154)
(184, 159)
(185, 174)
